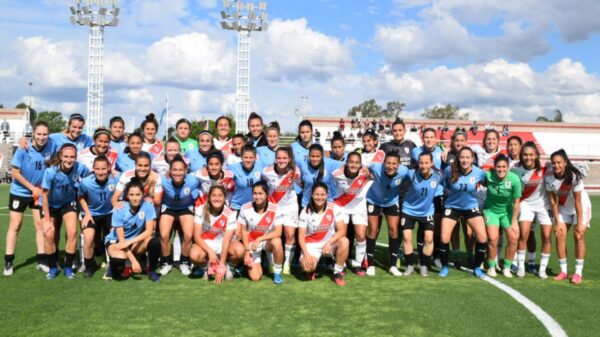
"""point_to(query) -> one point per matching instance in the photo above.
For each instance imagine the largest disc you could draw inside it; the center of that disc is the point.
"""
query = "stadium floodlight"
(243, 18)
(95, 15)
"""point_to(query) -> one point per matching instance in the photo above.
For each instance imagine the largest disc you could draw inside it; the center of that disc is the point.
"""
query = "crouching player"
(132, 235)
(321, 231)
(213, 230)
(261, 231)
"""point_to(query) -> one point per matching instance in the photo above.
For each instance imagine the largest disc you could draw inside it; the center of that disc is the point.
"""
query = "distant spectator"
(474, 128)
(342, 126)
(445, 127)
(359, 134)
(318, 136)
(328, 138)
(413, 128)
(505, 130)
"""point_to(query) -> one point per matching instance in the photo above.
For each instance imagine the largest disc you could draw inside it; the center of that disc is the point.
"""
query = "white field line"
(554, 329)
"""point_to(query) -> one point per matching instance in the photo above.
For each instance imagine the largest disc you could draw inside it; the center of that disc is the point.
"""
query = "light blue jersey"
(180, 197)
(63, 186)
(310, 175)
(266, 156)
(119, 145)
(196, 160)
(98, 194)
(419, 199)
(301, 157)
(133, 224)
(436, 153)
(461, 194)
(32, 164)
(125, 162)
(385, 191)
(244, 180)
(81, 142)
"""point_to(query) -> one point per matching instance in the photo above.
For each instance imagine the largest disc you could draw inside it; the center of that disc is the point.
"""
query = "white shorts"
(528, 213)
(215, 245)
(359, 216)
(288, 216)
(256, 255)
(572, 218)
(316, 249)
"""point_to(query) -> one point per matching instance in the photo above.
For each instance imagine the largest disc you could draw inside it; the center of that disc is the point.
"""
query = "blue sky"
(496, 60)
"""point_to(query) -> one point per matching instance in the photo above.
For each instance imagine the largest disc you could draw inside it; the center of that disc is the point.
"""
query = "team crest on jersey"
(111, 187)
(141, 215)
(80, 144)
(472, 180)
(406, 149)
(269, 219)
(433, 184)
(398, 181)
(16, 204)
(328, 217)
(186, 191)
(221, 222)
(507, 184)
(48, 155)
(257, 175)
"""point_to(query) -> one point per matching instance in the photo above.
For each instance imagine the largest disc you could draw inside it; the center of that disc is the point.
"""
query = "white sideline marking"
(554, 329)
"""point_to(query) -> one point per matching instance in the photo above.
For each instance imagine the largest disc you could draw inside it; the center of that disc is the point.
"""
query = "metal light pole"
(30, 99)
(95, 14)
(243, 18)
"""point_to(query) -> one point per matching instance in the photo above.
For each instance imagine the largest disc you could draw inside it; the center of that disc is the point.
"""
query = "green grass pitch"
(460, 305)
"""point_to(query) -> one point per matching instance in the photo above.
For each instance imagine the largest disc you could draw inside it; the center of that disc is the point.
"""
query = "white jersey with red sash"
(351, 194)
(87, 157)
(564, 192)
(160, 164)
(320, 227)
(206, 182)
(369, 158)
(485, 160)
(155, 148)
(281, 187)
(224, 146)
(534, 191)
(257, 224)
(215, 228)
(126, 177)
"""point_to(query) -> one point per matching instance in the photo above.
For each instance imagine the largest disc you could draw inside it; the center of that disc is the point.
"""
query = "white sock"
(544, 262)
(289, 254)
(521, 259)
(230, 267)
(514, 261)
(563, 265)
(579, 267)
(338, 269)
(277, 268)
(531, 256)
(360, 252)
(176, 248)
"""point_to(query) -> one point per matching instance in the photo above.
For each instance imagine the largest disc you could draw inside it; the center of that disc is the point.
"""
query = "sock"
(492, 263)
(9, 258)
(521, 259)
(184, 259)
(394, 247)
(289, 254)
(426, 261)
(420, 241)
(579, 267)
(165, 259)
(153, 253)
(563, 265)
(507, 263)
(51, 259)
(410, 259)
(88, 262)
(531, 257)
(117, 266)
(69, 257)
(177, 247)
(41, 258)
(444, 252)
(514, 260)
(277, 268)
(338, 269)
(270, 259)
(480, 250)
(456, 255)
(544, 262)
(371, 243)
(360, 252)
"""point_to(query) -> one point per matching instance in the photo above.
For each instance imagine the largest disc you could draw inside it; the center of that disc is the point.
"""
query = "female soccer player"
(59, 203)
(316, 169)
(429, 145)
(126, 160)
(94, 194)
(280, 179)
(118, 141)
(245, 174)
(28, 168)
(197, 159)
(266, 154)
(352, 183)
(74, 134)
(183, 128)
(513, 149)
(418, 207)
(132, 234)
(101, 147)
(570, 206)
(321, 231)
(383, 199)
(213, 232)
(180, 191)
(401, 146)
(162, 163)
(461, 179)
(501, 209)
(261, 231)
(149, 130)
(237, 142)
(303, 142)
(214, 174)
(256, 136)
(370, 154)
(142, 171)
(338, 147)
(222, 140)
(486, 154)
(534, 206)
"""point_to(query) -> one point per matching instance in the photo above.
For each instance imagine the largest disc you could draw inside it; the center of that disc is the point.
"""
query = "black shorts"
(101, 222)
(20, 204)
(438, 204)
(456, 214)
(374, 210)
(176, 213)
(60, 212)
(409, 221)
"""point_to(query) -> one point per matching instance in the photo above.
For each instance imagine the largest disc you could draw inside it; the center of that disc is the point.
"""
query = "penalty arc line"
(554, 329)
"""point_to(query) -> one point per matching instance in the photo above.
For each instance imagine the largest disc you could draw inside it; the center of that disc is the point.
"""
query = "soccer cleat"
(228, 274)
(338, 278)
(360, 271)
(531, 268)
(478, 272)
(52, 273)
(457, 264)
(409, 270)
(154, 276)
(42, 267)
(277, 278)
(437, 263)
(311, 276)
(197, 272)
(79, 267)
(185, 269)
(423, 271)
(444, 271)
(507, 272)
(576, 279)
(561, 276)
(89, 271)
(521, 272)
(69, 273)
(8, 269)
(165, 269)
(542, 274)
(370, 271)
(286, 269)
(492, 272)
(107, 274)
(394, 271)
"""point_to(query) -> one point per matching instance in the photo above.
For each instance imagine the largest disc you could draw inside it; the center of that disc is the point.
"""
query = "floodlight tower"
(95, 14)
(243, 18)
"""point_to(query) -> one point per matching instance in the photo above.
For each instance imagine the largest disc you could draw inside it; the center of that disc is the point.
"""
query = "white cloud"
(209, 4)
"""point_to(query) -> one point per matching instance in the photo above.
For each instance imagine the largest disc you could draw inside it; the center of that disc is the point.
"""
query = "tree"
(21, 106)
(54, 120)
(444, 112)
(558, 116)
(370, 109)
(541, 119)
(1, 106)
(394, 109)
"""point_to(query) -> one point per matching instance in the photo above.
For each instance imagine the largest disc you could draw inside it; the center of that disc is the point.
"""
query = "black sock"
(9, 258)
(480, 250)
(184, 259)
(164, 259)
(437, 241)
(88, 262)
(153, 253)
(409, 259)
(51, 259)
(116, 267)
(99, 251)
(394, 245)
(444, 252)
(41, 258)
(69, 257)
(420, 241)
(426, 261)
(371, 251)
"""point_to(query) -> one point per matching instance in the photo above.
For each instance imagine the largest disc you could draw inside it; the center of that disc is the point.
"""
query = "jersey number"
(103, 196)
(423, 190)
(250, 182)
(463, 187)
(38, 165)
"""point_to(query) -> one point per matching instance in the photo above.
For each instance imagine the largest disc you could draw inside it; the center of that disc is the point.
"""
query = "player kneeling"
(133, 225)
(321, 231)
(261, 231)
(213, 230)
